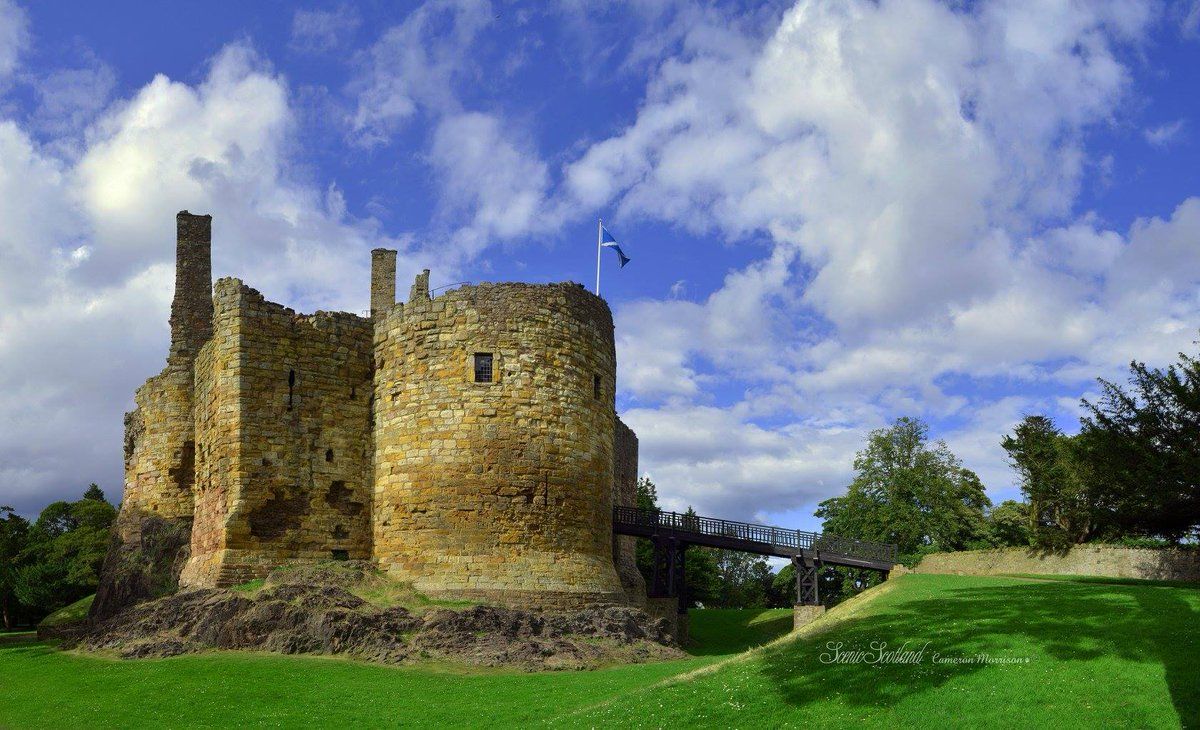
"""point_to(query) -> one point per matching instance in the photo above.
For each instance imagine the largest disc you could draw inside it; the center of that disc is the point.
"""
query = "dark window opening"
(340, 554)
(291, 387)
(483, 367)
(328, 454)
(353, 393)
(595, 386)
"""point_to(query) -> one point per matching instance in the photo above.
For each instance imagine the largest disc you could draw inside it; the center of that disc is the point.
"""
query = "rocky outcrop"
(144, 559)
(314, 611)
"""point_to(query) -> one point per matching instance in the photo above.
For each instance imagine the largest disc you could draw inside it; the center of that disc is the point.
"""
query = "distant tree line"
(1130, 475)
(55, 560)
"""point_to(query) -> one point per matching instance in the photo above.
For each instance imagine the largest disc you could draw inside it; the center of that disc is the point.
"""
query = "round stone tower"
(494, 422)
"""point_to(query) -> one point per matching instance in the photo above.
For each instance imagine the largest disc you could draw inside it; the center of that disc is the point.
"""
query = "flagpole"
(599, 229)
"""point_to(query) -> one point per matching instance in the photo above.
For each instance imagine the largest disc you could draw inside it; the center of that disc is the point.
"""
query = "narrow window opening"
(595, 386)
(483, 367)
(328, 454)
(340, 554)
(291, 387)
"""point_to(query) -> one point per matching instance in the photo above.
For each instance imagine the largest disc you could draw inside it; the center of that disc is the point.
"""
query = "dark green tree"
(647, 498)
(700, 573)
(909, 492)
(1062, 507)
(14, 536)
(1141, 447)
(1009, 523)
(744, 579)
(61, 560)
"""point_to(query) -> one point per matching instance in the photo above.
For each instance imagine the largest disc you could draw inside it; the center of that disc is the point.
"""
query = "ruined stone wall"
(501, 490)
(160, 447)
(1111, 561)
(285, 447)
(625, 475)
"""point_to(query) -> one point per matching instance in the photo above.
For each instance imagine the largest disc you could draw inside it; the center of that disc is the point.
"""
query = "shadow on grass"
(1105, 580)
(1068, 620)
(718, 631)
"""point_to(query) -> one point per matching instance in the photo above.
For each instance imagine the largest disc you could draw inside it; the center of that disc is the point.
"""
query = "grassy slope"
(1101, 654)
(77, 611)
(46, 688)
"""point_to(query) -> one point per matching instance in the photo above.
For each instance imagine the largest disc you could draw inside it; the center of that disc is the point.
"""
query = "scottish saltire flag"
(607, 240)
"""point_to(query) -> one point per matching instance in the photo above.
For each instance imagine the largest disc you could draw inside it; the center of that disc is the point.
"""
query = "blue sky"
(839, 213)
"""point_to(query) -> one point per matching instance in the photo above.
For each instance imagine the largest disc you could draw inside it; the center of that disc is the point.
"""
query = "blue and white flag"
(607, 241)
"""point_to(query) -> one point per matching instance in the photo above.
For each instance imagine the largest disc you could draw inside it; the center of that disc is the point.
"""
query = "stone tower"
(494, 421)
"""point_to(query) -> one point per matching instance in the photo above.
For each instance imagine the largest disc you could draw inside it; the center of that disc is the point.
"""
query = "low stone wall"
(1102, 560)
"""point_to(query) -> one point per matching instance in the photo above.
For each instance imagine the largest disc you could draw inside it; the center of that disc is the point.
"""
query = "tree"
(909, 492)
(744, 578)
(64, 550)
(1009, 522)
(647, 499)
(700, 573)
(1062, 509)
(1142, 450)
(14, 535)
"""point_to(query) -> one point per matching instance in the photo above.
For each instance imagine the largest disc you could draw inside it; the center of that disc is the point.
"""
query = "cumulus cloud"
(88, 250)
(491, 186)
(69, 99)
(917, 167)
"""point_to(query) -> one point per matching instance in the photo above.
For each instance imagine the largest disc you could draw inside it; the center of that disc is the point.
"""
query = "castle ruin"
(467, 443)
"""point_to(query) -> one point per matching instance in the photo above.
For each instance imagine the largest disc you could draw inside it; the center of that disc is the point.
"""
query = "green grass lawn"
(1100, 654)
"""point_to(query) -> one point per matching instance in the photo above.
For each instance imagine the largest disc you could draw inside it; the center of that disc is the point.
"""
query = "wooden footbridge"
(672, 532)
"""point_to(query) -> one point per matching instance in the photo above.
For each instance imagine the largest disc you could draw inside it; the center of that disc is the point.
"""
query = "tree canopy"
(910, 492)
(62, 552)
(1142, 447)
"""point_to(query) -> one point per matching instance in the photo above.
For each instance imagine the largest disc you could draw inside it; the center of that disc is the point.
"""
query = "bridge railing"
(784, 539)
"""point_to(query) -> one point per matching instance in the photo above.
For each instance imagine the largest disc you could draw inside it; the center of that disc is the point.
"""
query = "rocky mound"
(313, 611)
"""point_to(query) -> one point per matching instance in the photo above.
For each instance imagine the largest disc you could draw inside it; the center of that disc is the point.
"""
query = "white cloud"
(413, 66)
(720, 463)
(917, 167)
(88, 245)
(321, 31)
(497, 187)
(14, 38)
(1164, 134)
(69, 99)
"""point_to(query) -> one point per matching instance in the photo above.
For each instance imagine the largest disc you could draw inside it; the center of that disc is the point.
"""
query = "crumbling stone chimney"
(383, 280)
(192, 307)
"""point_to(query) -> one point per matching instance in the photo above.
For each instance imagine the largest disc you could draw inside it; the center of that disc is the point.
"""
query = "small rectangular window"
(595, 386)
(341, 554)
(483, 367)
